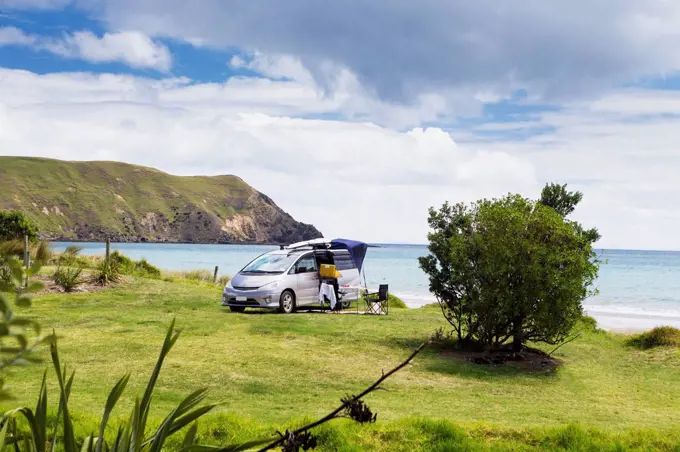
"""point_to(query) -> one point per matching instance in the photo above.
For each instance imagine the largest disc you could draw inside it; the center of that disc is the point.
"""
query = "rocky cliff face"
(93, 201)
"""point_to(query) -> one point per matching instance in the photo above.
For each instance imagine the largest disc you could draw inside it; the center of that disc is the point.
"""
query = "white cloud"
(35, 4)
(621, 151)
(132, 48)
(15, 36)
(274, 66)
(377, 183)
(403, 49)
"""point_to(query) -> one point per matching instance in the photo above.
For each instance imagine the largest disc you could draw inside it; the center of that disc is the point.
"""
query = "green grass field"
(272, 371)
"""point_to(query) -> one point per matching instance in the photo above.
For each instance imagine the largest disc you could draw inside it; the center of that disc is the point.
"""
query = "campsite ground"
(270, 370)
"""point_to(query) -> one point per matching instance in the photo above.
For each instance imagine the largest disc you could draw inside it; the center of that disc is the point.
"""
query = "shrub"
(12, 247)
(14, 225)
(141, 268)
(223, 280)
(126, 264)
(106, 272)
(661, 336)
(510, 269)
(68, 278)
(394, 302)
(588, 323)
(197, 276)
(70, 256)
(145, 269)
(43, 253)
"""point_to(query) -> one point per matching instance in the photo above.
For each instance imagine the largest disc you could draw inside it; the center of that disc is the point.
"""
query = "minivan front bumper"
(251, 298)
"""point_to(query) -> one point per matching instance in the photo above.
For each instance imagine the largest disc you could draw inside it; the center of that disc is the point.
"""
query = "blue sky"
(426, 103)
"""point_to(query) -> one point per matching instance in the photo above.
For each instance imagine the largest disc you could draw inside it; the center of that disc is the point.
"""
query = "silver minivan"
(288, 279)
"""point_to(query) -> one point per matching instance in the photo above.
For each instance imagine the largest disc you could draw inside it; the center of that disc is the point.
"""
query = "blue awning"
(356, 249)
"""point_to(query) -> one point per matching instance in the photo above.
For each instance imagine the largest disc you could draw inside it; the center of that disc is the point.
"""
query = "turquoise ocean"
(637, 289)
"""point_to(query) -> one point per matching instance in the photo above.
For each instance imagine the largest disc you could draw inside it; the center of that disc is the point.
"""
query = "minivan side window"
(307, 264)
(343, 261)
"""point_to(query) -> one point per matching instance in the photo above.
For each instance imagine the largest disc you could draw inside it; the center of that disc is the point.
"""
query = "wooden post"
(108, 248)
(215, 275)
(26, 255)
(27, 258)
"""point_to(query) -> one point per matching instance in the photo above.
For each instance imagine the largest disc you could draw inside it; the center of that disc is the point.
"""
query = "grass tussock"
(68, 278)
(200, 276)
(106, 272)
(38, 251)
(661, 336)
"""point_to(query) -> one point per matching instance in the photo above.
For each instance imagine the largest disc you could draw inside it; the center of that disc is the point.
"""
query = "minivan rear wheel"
(287, 302)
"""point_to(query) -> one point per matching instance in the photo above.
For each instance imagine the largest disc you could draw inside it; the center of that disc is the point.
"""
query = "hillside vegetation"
(94, 201)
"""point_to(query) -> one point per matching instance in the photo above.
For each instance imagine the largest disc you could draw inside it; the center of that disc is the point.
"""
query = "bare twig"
(571, 339)
(348, 402)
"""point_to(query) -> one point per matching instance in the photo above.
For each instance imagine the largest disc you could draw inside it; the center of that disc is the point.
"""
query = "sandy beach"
(615, 319)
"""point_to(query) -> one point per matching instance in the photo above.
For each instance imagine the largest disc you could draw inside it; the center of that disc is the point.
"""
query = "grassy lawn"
(269, 369)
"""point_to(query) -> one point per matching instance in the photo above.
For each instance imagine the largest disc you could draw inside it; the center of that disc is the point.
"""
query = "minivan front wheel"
(287, 302)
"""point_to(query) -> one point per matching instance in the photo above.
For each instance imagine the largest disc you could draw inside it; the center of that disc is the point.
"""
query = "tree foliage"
(509, 269)
(19, 335)
(15, 225)
(562, 201)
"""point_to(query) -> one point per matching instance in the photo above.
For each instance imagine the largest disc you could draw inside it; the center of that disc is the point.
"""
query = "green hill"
(93, 201)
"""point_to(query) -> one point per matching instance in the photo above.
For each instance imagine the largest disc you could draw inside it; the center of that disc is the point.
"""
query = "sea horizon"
(637, 288)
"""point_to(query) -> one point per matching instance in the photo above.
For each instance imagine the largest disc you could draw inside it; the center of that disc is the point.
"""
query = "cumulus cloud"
(363, 170)
(619, 149)
(34, 4)
(129, 47)
(15, 36)
(403, 49)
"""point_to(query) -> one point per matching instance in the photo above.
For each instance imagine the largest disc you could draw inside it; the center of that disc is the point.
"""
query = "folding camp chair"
(377, 303)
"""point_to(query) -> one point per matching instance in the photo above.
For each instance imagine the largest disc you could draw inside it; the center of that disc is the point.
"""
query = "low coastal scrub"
(196, 276)
(661, 336)
(141, 268)
(394, 302)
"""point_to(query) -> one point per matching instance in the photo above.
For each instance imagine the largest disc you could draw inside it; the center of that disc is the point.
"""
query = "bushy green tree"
(15, 225)
(560, 199)
(509, 269)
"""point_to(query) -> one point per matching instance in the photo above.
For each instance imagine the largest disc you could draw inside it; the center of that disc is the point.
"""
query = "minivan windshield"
(270, 264)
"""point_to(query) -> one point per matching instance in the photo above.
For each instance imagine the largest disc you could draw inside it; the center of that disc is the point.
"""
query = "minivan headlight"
(271, 285)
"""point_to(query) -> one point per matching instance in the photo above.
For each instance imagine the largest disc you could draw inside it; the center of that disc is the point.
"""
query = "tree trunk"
(518, 335)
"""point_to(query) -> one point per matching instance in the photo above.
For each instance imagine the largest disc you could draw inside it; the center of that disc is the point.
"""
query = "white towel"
(329, 292)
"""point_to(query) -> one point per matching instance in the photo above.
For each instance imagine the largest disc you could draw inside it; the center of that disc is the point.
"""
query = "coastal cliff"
(94, 201)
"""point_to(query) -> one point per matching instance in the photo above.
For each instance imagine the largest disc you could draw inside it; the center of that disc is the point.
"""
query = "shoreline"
(622, 322)
(614, 317)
